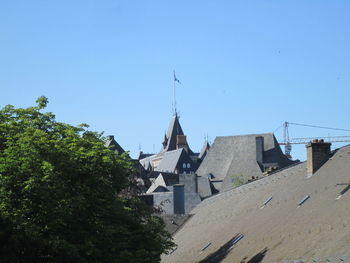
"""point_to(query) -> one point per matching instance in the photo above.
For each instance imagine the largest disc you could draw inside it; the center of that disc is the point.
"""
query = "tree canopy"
(59, 197)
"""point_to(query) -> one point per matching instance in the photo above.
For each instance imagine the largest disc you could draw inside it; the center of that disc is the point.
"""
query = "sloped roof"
(147, 162)
(159, 181)
(160, 189)
(280, 231)
(144, 155)
(112, 144)
(170, 161)
(204, 150)
(164, 180)
(170, 179)
(173, 130)
(170, 139)
(231, 156)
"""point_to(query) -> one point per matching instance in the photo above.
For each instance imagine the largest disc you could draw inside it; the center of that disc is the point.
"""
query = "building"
(174, 168)
(112, 144)
(298, 214)
(234, 160)
(175, 155)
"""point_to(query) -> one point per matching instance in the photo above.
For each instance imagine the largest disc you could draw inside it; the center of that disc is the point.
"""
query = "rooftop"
(285, 216)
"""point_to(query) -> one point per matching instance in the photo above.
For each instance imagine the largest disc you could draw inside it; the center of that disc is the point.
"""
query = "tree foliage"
(59, 198)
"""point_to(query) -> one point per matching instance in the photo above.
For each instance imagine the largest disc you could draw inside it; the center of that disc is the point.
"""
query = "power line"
(287, 142)
(321, 127)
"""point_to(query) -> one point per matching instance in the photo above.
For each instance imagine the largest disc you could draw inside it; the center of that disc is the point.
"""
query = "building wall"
(204, 189)
(190, 182)
(164, 201)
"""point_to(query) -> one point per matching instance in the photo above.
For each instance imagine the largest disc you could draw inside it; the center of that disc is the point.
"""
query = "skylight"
(206, 246)
(236, 240)
(303, 200)
(266, 202)
(343, 191)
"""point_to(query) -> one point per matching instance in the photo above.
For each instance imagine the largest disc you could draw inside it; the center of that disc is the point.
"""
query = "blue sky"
(244, 66)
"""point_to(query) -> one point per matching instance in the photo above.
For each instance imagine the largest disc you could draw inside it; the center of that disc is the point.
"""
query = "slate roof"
(144, 155)
(174, 222)
(164, 180)
(112, 144)
(170, 161)
(281, 231)
(169, 142)
(231, 156)
(173, 130)
(204, 150)
(147, 162)
(169, 156)
(170, 179)
(155, 174)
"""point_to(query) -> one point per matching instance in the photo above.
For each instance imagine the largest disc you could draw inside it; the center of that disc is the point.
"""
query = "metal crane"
(287, 142)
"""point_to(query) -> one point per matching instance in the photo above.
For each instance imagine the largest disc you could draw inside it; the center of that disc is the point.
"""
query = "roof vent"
(318, 152)
(303, 200)
(266, 202)
(206, 246)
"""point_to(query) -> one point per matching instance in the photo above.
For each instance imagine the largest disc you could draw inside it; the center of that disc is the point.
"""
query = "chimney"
(181, 142)
(259, 142)
(179, 199)
(318, 152)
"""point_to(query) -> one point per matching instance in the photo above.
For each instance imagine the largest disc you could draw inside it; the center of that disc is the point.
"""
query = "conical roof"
(174, 129)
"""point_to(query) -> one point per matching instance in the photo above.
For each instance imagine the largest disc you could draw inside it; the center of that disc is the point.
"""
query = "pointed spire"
(171, 137)
(165, 141)
(205, 149)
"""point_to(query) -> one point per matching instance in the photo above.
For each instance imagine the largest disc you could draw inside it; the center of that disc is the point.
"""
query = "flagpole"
(175, 110)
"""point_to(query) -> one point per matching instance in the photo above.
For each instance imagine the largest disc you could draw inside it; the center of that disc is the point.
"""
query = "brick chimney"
(181, 142)
(318, 152)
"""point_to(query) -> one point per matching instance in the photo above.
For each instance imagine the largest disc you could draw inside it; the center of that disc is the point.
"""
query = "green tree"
(59, 195)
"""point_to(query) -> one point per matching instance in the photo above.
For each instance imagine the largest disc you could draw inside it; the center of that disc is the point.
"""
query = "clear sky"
(244, 66)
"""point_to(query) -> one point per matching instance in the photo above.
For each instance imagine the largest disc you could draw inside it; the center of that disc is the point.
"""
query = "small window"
(303, 200)
(267, 201)
(188, 165)
(183, 165)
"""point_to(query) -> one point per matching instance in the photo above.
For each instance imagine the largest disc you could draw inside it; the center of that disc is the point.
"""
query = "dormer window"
(183, 165)
(188, 165)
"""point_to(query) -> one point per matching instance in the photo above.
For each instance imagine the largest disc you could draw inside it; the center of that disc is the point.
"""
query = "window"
(267, 201)
(188, 165)
(303, 200)
(183, 165)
